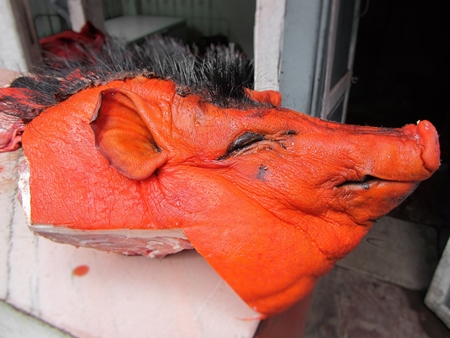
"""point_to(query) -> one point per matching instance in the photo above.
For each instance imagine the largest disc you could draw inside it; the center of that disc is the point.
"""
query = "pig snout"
(414, 157)
(429, 143)
(384, 171)
(408, 154)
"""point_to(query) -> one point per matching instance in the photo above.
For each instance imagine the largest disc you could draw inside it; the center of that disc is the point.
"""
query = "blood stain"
(80, 270)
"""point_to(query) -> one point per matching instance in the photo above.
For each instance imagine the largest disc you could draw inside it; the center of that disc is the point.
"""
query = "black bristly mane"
(220, 75)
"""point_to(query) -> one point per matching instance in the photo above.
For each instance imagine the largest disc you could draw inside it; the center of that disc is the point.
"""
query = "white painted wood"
(302, 60)
(77, 17)
(341, 90)
(268, 42)
(336, 94)
(8, 192)
(308, 50)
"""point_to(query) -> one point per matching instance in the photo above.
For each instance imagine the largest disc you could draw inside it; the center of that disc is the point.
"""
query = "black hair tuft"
(220, 75)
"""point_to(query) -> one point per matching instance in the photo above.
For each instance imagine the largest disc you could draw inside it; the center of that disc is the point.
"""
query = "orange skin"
(270, 218)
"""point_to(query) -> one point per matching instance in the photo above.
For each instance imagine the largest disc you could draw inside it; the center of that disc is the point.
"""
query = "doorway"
(401, 70)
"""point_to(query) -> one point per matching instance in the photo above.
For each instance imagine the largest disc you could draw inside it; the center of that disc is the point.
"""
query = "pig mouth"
(371, 197)
(365, 183)
(371, 182)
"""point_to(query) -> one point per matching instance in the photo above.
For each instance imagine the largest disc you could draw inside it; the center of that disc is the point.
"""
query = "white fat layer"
(149, 243)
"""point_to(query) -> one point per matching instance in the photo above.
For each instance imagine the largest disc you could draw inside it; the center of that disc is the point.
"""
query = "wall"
(11, 54)
(241, 17)
(46, 18)
(18, 44)
(233, 18)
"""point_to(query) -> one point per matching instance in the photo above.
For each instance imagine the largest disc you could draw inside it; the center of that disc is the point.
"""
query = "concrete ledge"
(396, 251)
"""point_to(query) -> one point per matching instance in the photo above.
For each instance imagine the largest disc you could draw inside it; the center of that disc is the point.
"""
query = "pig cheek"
(299, 189)
(274, 187)
(190, 193)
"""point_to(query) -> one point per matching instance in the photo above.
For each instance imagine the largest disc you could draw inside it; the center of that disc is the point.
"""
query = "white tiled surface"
(178, 296)
(16, 324)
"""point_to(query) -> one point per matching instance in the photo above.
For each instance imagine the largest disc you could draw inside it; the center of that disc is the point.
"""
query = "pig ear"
(271, 97)
(123, 136)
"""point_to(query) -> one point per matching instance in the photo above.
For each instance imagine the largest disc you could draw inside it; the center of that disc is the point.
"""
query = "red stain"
(80, 270)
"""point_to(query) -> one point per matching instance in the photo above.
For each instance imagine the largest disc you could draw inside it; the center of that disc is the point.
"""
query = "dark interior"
(402, 70)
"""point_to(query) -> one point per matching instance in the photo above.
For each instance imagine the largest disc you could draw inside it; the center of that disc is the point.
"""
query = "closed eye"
(243, 141)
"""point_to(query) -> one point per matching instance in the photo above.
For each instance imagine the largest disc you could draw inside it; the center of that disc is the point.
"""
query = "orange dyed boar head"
(270, 197)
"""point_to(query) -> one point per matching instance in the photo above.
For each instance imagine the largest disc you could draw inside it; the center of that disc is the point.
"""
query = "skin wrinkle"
(254, 147)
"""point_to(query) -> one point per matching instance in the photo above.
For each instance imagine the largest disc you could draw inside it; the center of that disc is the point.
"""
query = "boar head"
(270, 197)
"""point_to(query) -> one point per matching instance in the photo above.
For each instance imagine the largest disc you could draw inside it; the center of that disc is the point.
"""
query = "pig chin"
(372, 198)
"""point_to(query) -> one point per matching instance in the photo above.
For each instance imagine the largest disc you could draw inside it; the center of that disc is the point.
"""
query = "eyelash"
(249, 138)
(242, 142)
